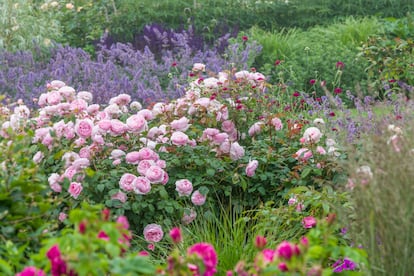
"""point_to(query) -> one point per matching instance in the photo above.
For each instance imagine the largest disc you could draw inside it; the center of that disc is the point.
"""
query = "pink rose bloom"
(31, 271)
(209, 133)
(75, 188)
(276, 123)
(242, 74)
(123, 221)
(132, 157)
(236, 151)
(199, 67)
(105, 125)
(161, 163)
(225, 147)
(251, 168)
(93, 109)
(56, 84)
(117, 127)
(155, 174)
(292, 201)
(141, 185)
(205, 252)
(184, 187)
(175, 234)
(256, 128)
(78, 105)
(181, 124)
(120, 196)
(320, 150)
(165, 178)
(54, 180)
(144, 165)
(136, 123)
(198, 198)
(211, 83)
(126, 182)
(179, 138)
(70, 172)
(312, 135)
(285, 250)
(84, 128)
(260, 242)
(62, 216)
(53, 98)
(303, 154)
(81, 163)
(38, 157)
(117, 154)
(122, 99)
(220, 138)
(148, 154)
(188, 216)
(85, 153)
(146, 113)
(228, 126)
(153, 233)
(86, 96)
(309, 222)
(67, 92)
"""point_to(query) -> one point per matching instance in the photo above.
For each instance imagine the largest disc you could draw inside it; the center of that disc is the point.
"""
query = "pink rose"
(84, 128)
(53, 98)
(117, 127)
(141, 185)
(303, 154)
(184, 187)
(75, 188)
(147, 154)
(78, 105)
(312, 135)
(54, 180)
(256, 128)
(276, 123)
(70, 172)
(285, 250)
(198, 198)
(179, 138)
(188, 216)
(117, 154)
(251, 168)
(309, 222)
(126, 182)
(320, 150)
(228, 126)
(199, 67)
(180, 124)
(105, 125)
(153, 233)
(207, 254)
(144, 165)
(236, 151)
(85, 153)
(208, 133)
(62, 216)
(38, 157)
(155, 174)
(120, 196)
(260, 242)
(268, 255)
(220, 138)
(132, 157)
(146, 113)
(293, 200)
(136, 123)
(81, 163)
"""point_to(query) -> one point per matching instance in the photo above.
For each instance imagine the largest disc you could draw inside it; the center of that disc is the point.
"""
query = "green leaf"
(306, 172)
(100, 187)
(210, 172)
(5, 268)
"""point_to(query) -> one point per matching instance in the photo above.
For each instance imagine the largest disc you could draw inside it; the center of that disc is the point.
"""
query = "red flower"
(312, 81)
(340, 65)
(338, 90)
(296, 94)
(245, 38)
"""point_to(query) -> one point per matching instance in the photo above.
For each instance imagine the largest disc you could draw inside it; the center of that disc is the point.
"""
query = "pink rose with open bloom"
(38, 157)
(181, 124)
(276, 123)
(84, 128)
(62, 216)
(132, 157)
(141, 185)
(205, 252)
(153, 233)
(144, 165)
(126, 182)
(309, 222)
(286, 250)
(236, 151)
(117, 127)
(251, 168)
(54, 180)
(256, 128)
(303, 154)
(199, 67)
(155, 174)
(136, 123)
(312, 135)
(122, 197)
(75, 188)
(147, 154)
(179, 138)
(198, 198)
(228, 126)
(184, 187)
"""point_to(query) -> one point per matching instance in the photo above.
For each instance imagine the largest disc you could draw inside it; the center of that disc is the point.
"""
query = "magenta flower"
(205, 252)
(312, 81)
(260, 242)
(285, 250)
(309, 222)
(340, 65)
(175, 234)
(31, 271)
